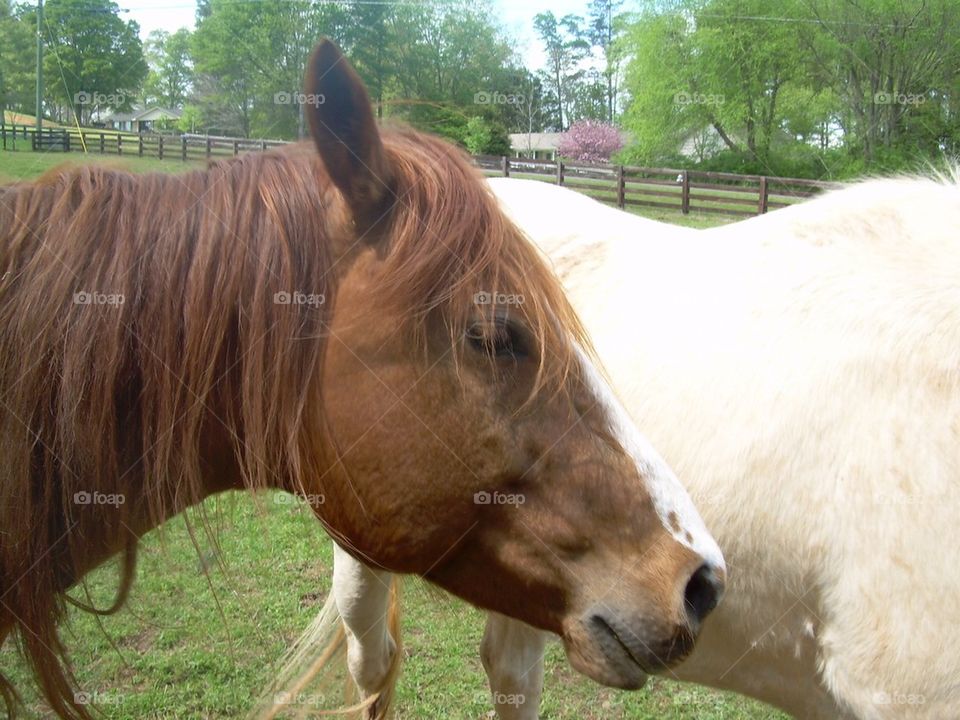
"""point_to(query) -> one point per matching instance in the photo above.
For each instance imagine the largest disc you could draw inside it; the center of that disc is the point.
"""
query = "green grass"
(197, 640)
(24, 164)
(190, 644)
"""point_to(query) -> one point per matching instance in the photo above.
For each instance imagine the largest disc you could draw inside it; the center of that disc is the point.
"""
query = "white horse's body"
(801, 373)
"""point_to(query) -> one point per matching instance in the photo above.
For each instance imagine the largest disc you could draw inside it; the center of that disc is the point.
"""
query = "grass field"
(196, 644)
(206, 622)
(24, 164)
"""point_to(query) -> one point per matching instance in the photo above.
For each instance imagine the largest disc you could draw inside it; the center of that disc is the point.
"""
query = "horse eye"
(500, 339)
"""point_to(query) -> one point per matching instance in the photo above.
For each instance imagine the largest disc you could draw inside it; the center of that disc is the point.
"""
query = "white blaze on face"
(668, 495)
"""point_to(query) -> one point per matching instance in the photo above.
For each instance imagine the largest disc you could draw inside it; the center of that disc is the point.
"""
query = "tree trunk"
(723, 136)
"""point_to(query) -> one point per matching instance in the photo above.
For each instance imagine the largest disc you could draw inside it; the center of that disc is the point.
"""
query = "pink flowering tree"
(590, 141)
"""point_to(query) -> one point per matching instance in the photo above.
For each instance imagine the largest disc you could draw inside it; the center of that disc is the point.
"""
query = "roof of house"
(532, 142)
(535, 141)
(144, 114)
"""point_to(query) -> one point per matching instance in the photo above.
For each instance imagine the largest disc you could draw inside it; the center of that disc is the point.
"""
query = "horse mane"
(193, 365)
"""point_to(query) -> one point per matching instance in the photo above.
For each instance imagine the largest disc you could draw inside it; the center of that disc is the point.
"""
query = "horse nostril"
(702, 594)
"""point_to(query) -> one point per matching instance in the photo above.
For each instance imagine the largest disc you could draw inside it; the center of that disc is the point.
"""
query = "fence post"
(3, 134)
(263, 145)
(559, 172)
(119, 144)
(621, 188)
(160, 147)
(685, 192)
(183, 148)
(762, 207)
(102, 148)
(505, 165)
(236, 148)
(139, 145)
(208, 147)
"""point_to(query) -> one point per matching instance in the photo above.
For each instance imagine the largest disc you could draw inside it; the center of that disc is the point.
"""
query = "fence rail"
(622, 185)
(113, 142)
(668, 188)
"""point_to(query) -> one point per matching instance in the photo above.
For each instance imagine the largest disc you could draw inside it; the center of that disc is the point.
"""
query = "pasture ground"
(199, 639)
(207, 619)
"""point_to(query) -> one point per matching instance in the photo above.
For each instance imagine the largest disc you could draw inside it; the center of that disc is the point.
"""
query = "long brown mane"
(142, 351)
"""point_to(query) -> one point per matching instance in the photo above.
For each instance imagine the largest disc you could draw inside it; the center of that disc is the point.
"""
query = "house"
(545, 146)
(142, 120)
(706, 142)
(539, 146)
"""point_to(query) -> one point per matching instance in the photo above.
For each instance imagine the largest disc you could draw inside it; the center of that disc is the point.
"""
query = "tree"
(604, 30)
(368, 39)
(871, 83)
(590, 141)
(94, 59)
(16, 61)
(451, 59)
(190, 119)
(481, 137)
(699, 64)
(531, 111)
(885, 60)
(171, 70)
(587, 98)
(565, 47)
(249, 62)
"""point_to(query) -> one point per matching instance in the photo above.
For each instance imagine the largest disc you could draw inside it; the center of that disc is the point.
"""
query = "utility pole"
(39, 67)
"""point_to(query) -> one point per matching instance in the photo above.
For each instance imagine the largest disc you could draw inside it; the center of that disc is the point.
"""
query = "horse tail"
(316, 650)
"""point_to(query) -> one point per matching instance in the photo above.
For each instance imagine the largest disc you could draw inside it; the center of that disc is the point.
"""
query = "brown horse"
(361, 326)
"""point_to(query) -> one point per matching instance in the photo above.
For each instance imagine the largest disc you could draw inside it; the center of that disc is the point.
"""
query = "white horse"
(802, 375)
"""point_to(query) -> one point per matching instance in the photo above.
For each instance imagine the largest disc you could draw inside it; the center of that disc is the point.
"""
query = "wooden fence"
(621, 185)
(668, 188)
(112, 142)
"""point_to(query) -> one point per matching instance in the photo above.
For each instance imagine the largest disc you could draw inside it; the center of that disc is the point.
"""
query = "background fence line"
(621, 185)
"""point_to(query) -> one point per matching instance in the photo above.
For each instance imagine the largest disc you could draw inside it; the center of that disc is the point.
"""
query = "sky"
(516, 16)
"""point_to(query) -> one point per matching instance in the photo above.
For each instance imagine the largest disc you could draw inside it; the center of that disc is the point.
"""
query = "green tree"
(16, 61)
(566, 48)
(451, 56)
(605, 30)
(171, 70)
(249, 61)
(698, 64)
(893, 63)
(369, 40)
(94, 59)
(482, 137)
(191, 119)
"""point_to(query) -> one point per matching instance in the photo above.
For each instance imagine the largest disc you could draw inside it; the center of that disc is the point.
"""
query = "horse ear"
(345, 132)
